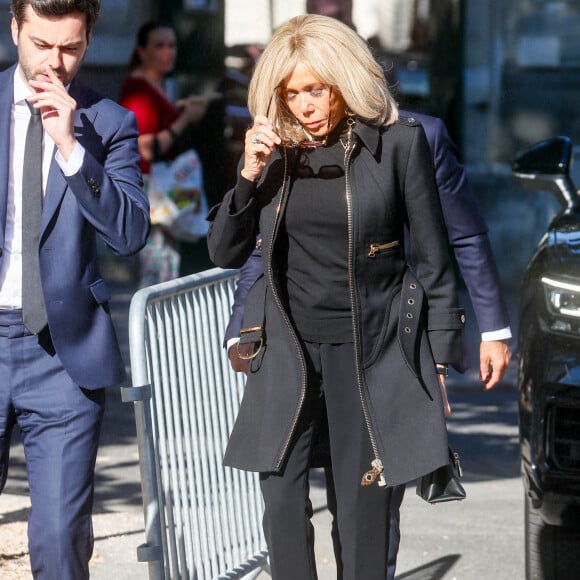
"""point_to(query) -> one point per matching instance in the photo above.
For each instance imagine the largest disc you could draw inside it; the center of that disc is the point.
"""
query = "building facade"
(503, 74)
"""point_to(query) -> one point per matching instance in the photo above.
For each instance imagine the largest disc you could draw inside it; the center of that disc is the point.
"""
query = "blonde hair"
(337, 55)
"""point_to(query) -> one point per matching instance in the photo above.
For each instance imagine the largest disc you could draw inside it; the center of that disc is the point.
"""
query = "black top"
(314, 245)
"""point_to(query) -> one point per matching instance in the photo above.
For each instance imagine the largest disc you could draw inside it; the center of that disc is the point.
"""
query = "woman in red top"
(162, 128)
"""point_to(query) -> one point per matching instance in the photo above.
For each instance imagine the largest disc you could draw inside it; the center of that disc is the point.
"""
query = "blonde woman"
(338, 327)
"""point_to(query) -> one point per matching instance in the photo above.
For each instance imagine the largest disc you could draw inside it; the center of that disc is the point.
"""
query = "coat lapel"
(55, 188)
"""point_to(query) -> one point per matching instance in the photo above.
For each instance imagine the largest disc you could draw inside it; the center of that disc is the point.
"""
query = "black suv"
(549, 371)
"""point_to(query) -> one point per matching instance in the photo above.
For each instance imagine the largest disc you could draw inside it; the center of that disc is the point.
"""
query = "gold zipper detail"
(377, 468)
(250, 329)
(371, 475)
(374, 249)
(285, 318)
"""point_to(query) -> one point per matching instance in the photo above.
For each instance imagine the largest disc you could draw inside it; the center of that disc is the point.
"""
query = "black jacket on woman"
(402, 324)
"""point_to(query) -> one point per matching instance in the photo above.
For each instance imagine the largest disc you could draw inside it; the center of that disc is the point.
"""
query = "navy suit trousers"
(60, 425)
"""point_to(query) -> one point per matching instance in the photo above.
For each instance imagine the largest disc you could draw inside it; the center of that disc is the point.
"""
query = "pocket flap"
(251, 334)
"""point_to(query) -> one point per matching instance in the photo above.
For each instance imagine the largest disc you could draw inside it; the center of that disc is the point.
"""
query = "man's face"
(59, 43)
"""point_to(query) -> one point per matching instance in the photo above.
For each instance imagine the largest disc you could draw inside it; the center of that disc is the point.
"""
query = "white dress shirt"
(11, 263)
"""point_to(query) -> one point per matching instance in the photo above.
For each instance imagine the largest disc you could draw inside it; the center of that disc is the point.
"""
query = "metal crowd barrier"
(202, 520)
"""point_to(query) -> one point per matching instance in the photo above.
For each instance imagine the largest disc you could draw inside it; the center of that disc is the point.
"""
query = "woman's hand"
(261, 141)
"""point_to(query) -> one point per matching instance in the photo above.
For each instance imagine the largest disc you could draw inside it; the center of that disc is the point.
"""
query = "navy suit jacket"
(105, 197)
(466, 229)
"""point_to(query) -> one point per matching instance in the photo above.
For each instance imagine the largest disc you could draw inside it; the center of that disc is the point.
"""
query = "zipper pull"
(373, 249)
(371, 475)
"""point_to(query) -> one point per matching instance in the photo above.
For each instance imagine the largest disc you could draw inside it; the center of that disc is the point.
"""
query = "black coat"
(389, 179)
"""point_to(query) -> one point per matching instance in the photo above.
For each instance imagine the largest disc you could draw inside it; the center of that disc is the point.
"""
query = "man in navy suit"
(467, 232)
(54, 371)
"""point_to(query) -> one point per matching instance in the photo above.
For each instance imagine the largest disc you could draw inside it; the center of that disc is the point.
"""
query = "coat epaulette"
(411, 121)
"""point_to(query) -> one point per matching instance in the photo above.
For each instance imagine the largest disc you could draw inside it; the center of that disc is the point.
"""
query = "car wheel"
(551, 551)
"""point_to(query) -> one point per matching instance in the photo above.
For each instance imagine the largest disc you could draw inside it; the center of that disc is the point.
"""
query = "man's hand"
(240, 365)
(494, 357)
(57, 108)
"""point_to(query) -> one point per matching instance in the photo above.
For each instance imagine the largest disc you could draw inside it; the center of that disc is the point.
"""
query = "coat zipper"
(285, 317)
(377, 468)
(374, 249)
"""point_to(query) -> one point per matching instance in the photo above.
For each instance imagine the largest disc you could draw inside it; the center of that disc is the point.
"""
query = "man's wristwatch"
(442, 370)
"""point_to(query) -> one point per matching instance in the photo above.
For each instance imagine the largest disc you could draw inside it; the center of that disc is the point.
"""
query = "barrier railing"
(202, 520)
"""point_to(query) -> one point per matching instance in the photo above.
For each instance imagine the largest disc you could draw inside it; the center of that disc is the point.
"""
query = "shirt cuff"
(231, 343)
(502, 334)
(75, 161)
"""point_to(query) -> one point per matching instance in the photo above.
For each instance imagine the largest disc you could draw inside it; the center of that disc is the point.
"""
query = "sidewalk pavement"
(118, 514)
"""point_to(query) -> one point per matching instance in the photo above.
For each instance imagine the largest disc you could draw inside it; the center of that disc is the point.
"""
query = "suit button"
(94, 186)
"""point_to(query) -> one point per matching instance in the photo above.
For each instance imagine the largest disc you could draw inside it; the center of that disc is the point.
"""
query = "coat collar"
(369, 135)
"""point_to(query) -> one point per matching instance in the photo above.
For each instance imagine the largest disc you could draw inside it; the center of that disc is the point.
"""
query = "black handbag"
(443, 484)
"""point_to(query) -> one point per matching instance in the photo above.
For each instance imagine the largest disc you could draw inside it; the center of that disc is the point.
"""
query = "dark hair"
(143, 38)
(90, 8)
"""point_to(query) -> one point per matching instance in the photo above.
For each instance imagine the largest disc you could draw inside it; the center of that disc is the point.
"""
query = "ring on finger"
(256, 139)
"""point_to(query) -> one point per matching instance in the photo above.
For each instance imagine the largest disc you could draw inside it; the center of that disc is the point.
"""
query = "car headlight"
(563, 300)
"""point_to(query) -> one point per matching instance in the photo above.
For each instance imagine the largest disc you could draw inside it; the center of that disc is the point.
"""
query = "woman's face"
(160, 52)
(317, 108)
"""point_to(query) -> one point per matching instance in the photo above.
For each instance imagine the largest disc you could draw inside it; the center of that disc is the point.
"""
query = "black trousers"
(362, 512)
(397, 495)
